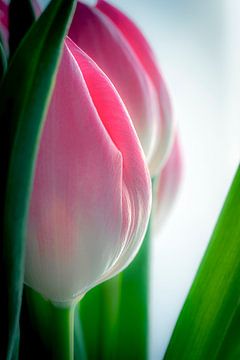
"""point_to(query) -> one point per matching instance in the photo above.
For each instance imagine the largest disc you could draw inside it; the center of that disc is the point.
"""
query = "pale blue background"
(197, 45)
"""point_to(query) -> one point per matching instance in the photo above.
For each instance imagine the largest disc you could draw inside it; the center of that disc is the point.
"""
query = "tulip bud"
(91, 194)
(166, 186)
(122, 52)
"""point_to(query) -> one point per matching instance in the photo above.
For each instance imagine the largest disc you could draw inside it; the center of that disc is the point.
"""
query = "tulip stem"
(62, 332)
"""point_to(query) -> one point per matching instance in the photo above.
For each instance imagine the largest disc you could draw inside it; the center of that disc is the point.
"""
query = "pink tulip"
(91, 195)
(122, 52)
(166, 186)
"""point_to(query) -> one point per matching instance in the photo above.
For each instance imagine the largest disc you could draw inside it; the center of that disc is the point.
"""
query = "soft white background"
(197, 44)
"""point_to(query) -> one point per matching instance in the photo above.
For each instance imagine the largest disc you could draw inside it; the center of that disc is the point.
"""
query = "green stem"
(62, 332)
(79, 343)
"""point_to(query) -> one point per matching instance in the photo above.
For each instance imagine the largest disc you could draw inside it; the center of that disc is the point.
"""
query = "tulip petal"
(93, 32)
(167, 185)
(146, 56)
(91, 194)
(136, 192)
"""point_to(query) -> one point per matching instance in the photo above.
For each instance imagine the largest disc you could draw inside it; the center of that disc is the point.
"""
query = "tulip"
(115, 43)
(166, 186)
(91, 194)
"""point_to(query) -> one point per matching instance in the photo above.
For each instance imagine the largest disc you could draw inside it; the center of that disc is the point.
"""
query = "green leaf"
(91, 318)
(53, 327)
(211, 311)
(114, 315)
(35, 316)
(21, 17)
(230, 348)
(133, 322)
(99, 313)
(24, 96)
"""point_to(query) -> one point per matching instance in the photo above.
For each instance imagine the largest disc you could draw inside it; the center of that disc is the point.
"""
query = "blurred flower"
(4, 20)
(91, 195)
(36, 7)
(122, 52)
(166, 186)
(4, 23)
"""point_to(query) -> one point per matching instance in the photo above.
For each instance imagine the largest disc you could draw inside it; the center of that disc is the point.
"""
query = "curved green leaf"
(210, 313)
(24, 96)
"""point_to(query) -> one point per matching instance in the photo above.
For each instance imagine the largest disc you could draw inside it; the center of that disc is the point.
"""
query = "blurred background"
(197, 45)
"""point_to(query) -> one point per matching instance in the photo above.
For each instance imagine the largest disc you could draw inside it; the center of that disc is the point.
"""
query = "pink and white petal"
(95, 34)
(143, 51)
(75, 211)
(136, 185)
(166, 186)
